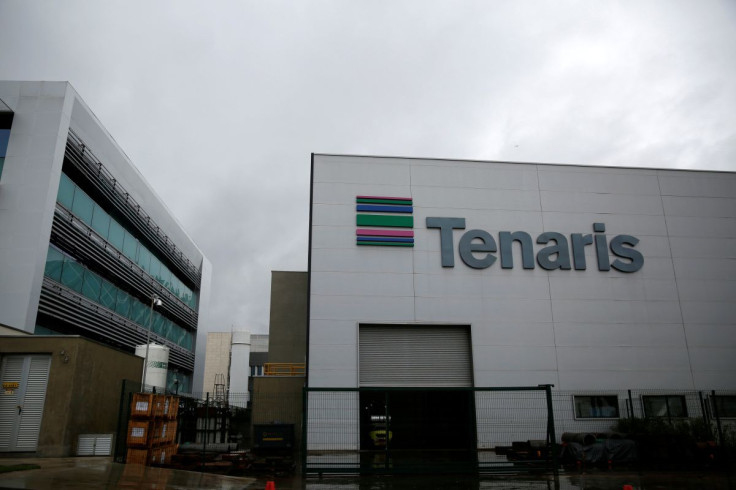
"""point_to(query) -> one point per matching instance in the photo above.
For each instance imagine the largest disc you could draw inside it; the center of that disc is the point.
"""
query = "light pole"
(155, 301)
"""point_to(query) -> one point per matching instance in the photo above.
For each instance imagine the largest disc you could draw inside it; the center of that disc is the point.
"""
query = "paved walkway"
(101, 472)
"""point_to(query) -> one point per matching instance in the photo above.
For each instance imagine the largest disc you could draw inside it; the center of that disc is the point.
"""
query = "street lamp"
(155, 301)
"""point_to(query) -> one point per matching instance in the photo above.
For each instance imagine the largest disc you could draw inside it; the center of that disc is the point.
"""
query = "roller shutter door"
(21, 408)
(415, 355)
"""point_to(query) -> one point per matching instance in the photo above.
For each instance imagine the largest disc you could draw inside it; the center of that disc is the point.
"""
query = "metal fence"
(397, 430)
(204, 425)
(511, 430)
(484, 430)
(671, 428)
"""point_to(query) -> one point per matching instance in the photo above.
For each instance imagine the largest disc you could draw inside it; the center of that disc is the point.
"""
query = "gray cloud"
(220, 104)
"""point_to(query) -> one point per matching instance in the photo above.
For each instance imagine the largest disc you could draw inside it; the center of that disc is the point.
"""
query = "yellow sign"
(10, 387)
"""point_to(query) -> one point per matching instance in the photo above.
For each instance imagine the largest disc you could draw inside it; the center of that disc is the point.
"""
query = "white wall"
(240, 367)
(28, 188)
(669, 325)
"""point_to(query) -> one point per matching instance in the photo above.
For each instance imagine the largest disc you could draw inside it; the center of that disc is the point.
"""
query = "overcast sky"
(220, 103)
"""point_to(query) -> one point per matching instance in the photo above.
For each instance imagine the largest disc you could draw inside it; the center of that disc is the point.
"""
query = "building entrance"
(24, 380)
(414, 402)
(417, 420)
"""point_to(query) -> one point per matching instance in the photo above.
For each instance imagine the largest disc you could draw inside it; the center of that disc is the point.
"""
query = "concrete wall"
(288, 326)
(279, 400)
(669, 325)
(83, 394)
(5, 330)
(217, 359)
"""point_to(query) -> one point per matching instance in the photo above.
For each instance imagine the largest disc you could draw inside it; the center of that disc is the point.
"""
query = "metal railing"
(100, 177)
(70, 233)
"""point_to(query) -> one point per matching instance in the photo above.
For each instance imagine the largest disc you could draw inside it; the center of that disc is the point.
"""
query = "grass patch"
(7, 468)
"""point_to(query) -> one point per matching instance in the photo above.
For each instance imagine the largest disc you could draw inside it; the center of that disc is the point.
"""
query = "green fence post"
(305, 401)
(551, 429)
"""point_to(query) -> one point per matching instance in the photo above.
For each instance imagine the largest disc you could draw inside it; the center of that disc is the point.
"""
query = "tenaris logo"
(384, 221)
(477, 248)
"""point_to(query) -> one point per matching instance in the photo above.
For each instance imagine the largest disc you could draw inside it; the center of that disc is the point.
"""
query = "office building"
(85, 242)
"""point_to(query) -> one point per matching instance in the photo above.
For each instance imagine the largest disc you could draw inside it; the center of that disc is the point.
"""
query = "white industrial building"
(468, 274)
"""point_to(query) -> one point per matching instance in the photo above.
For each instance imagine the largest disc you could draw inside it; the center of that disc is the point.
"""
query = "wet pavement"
(101, 472)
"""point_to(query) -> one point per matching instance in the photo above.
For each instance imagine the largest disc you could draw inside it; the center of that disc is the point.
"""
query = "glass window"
(165, 276)
(140, 313)
(167, 327)
(155, 267)
(91, 286)
(107, 294)
(4, 139)
(664, 406)
(116, 235)
(54, 262)
(130, 246)
(144, 258)
(122, 303)
(726, 406)
(41, 330)
(101, 222)
(72, 274)
(2, 164)
(82, 206)
(596, 406)
(158, 324)
(175, 285)
(66, 192)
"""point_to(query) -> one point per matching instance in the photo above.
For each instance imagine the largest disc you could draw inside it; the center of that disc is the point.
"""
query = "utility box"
(273, 436)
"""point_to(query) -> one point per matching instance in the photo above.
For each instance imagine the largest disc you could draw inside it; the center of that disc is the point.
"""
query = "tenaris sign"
(477, 248)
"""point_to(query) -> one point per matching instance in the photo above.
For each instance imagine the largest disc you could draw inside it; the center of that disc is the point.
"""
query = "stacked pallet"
(151, 435)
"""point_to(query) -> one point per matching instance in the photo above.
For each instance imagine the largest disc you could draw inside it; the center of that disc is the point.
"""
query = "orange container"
(168, 432)
(171, 407)
(137, 456)
(159, 431)
(142, 405)
(139, 433)
(159, 404)
(162, 455)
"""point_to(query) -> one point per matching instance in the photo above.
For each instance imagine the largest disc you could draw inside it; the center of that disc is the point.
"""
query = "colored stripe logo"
(388, 221)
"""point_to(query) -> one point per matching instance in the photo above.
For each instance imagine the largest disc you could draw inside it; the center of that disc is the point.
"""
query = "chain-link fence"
(395, 430)
(509, 430)
(205, 426)
(666, 428)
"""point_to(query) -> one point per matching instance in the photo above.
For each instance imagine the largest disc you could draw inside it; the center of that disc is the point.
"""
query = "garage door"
(415, 355)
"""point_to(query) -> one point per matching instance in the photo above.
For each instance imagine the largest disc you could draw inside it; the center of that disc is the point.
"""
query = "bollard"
(270, 485)
(626, 487)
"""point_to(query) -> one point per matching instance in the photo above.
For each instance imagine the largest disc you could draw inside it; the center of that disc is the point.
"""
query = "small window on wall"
(725, 406)
(670, 406)
(596, 406)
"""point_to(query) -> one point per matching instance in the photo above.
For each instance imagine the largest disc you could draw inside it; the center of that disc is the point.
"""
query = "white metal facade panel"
(94, 445)
(534, 326)
(24, 408)
(416, 355)
(11, 371)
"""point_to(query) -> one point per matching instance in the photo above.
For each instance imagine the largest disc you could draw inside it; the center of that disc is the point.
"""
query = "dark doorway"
(418, 426)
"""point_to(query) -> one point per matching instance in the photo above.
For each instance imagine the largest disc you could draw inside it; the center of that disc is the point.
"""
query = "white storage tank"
(158, 364)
